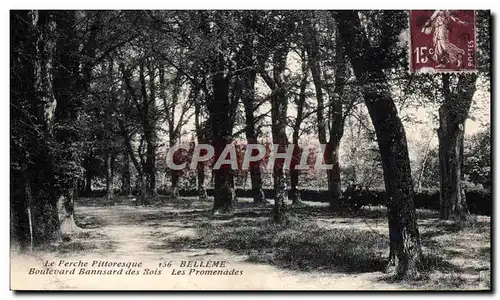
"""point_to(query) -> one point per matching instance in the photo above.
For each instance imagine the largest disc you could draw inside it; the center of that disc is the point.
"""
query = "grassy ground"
(319, 249)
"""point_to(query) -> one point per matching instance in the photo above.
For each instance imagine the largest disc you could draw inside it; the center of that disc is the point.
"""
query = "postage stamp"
(442, 41)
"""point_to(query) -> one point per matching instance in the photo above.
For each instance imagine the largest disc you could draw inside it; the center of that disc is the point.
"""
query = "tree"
(248, 99)
(277, 36)
(300, 103)
(453, 112)
(146, 109)
(403, 231)
(477, 158)
(331, 116)
(52, 168)
(171, 112)
(452, 116)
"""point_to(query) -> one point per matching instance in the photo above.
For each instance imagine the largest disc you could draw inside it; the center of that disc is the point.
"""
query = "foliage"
(477, 158)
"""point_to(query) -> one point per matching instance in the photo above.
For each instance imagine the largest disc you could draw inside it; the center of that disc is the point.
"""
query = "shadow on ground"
(297, 246)
(315, 238)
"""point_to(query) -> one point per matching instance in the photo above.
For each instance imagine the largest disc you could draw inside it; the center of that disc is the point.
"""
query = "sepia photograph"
(250, 150)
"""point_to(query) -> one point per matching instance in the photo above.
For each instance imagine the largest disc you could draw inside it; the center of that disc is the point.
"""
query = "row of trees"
(90, 86)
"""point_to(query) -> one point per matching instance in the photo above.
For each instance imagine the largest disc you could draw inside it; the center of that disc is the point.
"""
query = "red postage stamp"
(442, 41)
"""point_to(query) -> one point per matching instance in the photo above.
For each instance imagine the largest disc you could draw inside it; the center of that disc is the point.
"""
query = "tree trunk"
(201, 138)
(147, 111)
(202, 192)
(336, 118)
(279, 104)
(43, 85)
(314, 64)
(143, 189)
(403, 231)
(294, 194)
(44, 24)
(300, 101)
(422, 167)
(110, 194)
(280, 196)
(174, 180)
(224, 191)
(141, 181)
(248, 100)
(452, 116)
(126, 187)
(221, 136)
(333, 174)
(88, 183)
(336, 127)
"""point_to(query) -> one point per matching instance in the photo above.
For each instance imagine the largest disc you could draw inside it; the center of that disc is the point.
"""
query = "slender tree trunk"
(422, 167)
(294, 194)
(110, 195)
(140, 180)
(403, 231)
(88, 183)
(143, 189)
(336, 118)
(279, 104)
(248, 100)
(333, 174)
(336, 127)
(201, 137)
(202, 192)
(452, 116)
(174, 181)
(126, 187)
(300, 101)
(147, 118)
(314, 64)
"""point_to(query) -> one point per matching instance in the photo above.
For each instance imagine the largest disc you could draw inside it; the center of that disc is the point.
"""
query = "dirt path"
(135, 234)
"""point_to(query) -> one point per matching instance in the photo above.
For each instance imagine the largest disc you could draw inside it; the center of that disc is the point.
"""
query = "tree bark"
(110, 194)
(279, 104)
(44, 25)
(314, 65)
(336, 127)
(452, 116)
(336, 118)
(201, 138)
(126, 187)
(61, 207)
(248, 100)
(138, 167)
(88, 183)
(294, 194)
(220, 121)
(147, 118)
(202, 192)
(403, 231)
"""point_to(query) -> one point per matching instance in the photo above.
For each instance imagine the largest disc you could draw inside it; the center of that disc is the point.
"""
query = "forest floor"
(317, 250)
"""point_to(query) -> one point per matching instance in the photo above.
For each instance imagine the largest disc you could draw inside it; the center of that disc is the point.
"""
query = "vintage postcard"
(250, 150)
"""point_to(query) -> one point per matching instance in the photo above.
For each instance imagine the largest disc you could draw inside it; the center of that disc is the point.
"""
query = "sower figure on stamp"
(444, 51)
